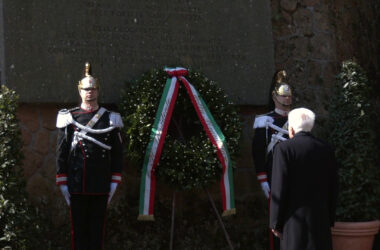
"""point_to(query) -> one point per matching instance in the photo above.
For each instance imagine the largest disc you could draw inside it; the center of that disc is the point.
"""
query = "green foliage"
(351, 117)
(16, 216)
(23, 226)
(188, 158)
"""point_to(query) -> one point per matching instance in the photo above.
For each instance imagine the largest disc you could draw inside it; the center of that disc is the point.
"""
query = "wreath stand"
(226, 235)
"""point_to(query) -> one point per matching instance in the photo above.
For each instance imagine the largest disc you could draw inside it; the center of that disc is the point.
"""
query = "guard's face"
(282, 100)
(89, 94)
(285, 99)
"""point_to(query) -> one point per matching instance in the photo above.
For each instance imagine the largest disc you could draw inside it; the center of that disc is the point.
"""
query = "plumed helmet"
(88, 81)
(281, 87)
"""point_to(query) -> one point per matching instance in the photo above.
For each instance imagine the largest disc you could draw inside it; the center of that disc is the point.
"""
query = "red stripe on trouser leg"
(88, 218)
(271, 244)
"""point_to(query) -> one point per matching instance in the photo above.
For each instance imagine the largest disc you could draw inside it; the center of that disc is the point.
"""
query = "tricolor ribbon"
(157, 138)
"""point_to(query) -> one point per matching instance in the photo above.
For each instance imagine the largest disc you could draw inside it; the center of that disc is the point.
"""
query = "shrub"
(351, 116)
(17, 223)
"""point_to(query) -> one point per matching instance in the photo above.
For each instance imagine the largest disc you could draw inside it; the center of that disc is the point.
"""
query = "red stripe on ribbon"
(177, 72)
(209, 134)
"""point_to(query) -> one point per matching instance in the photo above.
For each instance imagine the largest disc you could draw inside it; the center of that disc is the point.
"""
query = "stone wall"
(2, 57)
(305, 46)
(39, 136)
(228, 41)
(357, 33)
(313, 37)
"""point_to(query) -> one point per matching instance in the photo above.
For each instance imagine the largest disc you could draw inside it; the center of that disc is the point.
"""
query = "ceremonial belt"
(78, 136)
(278, 136)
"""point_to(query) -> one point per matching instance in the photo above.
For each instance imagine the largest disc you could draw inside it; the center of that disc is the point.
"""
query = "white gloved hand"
(265, 187)
(113, 187)
(65, 192)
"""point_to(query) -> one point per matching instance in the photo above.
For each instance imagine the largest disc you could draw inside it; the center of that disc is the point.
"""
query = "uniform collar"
(281, 112)
(89, 108)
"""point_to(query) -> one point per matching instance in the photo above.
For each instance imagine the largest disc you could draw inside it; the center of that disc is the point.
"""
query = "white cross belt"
(78, 136)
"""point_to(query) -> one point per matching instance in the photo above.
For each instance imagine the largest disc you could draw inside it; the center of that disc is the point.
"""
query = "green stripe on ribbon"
(148, 151)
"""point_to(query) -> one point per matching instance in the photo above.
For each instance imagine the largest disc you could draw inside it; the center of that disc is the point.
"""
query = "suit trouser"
(274, 242)
(88, 214)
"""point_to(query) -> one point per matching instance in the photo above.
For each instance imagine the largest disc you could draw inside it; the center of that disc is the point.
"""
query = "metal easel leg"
(220, 220)
(172, 225)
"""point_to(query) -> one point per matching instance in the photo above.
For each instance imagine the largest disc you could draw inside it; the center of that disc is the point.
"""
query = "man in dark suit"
(304, 187)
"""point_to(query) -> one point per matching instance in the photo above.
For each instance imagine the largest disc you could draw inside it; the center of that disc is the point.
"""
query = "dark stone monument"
(47, 42)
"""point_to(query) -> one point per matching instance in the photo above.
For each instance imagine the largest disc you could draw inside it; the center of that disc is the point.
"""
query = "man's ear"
(291, 132)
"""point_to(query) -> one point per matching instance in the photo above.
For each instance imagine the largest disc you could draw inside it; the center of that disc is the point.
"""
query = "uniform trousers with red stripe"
(88, 216)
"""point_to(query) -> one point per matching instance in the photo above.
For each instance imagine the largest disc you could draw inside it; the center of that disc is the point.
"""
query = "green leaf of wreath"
(188, 158)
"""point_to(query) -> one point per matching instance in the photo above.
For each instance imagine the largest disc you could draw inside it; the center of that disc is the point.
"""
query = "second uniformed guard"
(270, 129)
(89, 162)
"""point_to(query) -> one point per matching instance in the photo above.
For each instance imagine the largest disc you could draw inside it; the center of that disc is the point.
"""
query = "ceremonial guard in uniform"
(270, 129)
(89, 163)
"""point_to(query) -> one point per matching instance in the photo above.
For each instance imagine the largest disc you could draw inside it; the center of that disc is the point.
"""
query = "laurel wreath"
(188, 158)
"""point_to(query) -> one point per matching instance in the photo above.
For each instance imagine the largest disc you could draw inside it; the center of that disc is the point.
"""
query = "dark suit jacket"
(304, 192)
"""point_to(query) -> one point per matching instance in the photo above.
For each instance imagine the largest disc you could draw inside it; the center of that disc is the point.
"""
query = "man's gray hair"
(301, 119)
